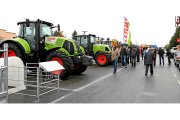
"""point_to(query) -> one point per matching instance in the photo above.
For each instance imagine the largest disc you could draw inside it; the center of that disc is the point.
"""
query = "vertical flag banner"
(126, 30)
(129, 38)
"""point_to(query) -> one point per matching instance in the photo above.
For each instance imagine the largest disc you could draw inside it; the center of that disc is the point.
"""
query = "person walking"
(142, 54)
(123, 54)
(161, 55)
(114, 57)
(169, 56)
(133, 57)
(155, 54)
(148, 57)
(144, 51)
(128, 55)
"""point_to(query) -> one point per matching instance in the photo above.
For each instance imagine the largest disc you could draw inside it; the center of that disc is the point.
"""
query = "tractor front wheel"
(101, 59)
(78, 69)
(62, 59)
(14, 50)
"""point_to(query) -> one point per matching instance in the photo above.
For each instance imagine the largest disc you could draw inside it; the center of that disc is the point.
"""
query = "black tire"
(79, 69)
(16, 49)
(67, 63)
(103, 63)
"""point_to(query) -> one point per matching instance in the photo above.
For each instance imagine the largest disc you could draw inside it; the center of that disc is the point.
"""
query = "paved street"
(129, 85)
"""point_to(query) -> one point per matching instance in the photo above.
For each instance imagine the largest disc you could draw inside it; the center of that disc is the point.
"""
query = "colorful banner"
(129, 39)
(126, 30)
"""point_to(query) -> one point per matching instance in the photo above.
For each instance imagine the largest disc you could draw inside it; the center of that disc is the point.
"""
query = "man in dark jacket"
(133, 56)
(123, 54)
(149, 56)
(161, 55)
(169, 56)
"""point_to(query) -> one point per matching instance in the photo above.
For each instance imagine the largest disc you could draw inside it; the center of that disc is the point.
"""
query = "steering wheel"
(28, 36)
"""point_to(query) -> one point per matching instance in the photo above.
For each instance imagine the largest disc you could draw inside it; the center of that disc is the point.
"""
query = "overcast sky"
(152, 21)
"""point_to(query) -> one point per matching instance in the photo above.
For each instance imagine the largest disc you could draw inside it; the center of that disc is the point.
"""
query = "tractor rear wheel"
(14, 50)
(64, 60)
(101, 58)
(78, 69)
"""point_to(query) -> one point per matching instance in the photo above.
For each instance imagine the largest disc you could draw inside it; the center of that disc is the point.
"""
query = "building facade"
(4, 35)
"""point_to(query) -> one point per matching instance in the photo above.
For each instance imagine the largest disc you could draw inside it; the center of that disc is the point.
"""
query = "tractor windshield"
(92, 38)
(25, 31)
(28, 34)
(84, 40)
(45, 30)
(78, 46)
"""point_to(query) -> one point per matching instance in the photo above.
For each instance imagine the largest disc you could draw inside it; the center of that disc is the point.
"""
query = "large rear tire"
(79, 69)
(101, 58)
(14, 50)
(64, 60)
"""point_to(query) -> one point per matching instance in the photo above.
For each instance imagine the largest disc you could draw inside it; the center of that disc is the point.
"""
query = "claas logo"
(51, 39)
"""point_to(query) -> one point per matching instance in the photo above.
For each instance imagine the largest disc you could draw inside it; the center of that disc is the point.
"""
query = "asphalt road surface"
(128, 85)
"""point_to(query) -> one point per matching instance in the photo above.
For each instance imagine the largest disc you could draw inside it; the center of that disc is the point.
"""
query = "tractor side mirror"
(27, 23)
(58, 27)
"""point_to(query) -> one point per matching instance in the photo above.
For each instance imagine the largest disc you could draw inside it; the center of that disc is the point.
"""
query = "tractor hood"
(54, 40)
(101, 47)
(63, 43)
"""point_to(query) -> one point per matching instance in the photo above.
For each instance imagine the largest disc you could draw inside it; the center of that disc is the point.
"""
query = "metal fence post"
(38, 82)
(6, 69)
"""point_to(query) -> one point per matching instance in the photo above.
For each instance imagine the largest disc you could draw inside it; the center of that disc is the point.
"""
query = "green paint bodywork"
(82, 49)
(50, 43)
(24, 44)
(54, 42)
(101, 47)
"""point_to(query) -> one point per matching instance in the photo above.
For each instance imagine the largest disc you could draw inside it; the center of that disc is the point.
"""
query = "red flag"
(126, 29)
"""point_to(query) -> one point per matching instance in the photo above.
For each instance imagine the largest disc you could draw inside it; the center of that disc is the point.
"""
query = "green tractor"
(36, 43)
(100, 52)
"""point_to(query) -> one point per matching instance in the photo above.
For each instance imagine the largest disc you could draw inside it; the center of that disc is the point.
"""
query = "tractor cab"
(34, 32)
(86, 41)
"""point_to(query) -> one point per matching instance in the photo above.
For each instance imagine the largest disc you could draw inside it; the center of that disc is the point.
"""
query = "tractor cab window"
(92, 39)
(45, 30)
(84, 40)
(28, 34)
(78, 40)
(69, 47)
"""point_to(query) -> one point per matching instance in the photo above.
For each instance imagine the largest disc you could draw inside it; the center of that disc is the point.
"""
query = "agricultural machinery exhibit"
(100, 52)
(36, 42)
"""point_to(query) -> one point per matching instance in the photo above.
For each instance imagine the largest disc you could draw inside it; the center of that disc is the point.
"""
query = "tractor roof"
(40, 21)
(87, 35)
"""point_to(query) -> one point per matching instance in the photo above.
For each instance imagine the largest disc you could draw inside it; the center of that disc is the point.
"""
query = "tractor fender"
(51, 50)
(16, 43)
(97, 53)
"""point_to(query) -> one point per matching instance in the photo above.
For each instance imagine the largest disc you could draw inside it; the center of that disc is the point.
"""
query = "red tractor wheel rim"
(11, 53)
(60, 62)
(101, 59)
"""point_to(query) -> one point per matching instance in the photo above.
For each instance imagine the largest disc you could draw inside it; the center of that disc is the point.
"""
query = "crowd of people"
(130, 55)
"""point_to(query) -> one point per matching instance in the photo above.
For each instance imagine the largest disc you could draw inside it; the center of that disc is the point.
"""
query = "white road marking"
(175, 75)
(149, 94)
(61, 98)
(98, 80)
(83, 87)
